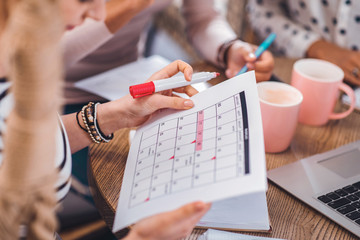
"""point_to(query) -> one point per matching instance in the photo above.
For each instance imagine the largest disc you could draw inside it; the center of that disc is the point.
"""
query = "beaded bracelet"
(89, 126)
(89, 113)
(78, 122)
(98, 130)
(90, 117)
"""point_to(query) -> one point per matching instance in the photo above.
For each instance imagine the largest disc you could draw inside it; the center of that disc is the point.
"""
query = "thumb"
(248, 54)
(190, 210)
(162, 101)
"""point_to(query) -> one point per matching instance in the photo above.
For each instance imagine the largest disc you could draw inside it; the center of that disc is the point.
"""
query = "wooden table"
(290, 218)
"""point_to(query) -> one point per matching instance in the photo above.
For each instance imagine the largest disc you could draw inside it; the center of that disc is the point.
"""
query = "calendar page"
(210, 152)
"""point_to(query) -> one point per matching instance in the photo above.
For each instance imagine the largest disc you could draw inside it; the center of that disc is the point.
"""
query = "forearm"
(78, 139)
(83, 40)
(206, 28)
(119, 13)
(110, 117)
(319, 49)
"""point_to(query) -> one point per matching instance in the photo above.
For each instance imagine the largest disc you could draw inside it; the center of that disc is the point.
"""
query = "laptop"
(328, 182)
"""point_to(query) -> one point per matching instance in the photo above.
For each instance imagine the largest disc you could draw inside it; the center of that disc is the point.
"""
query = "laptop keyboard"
(345, 200)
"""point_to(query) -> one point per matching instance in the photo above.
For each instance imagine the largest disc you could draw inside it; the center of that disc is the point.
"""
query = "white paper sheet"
(212, 234)
(115, 83)
(245, 212)
(211, 152)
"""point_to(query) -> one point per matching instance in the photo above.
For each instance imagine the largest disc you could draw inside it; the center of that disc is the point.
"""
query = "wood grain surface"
(290, 218)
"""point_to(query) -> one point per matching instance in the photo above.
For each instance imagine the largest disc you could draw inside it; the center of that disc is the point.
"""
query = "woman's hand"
(175, 224)
(129, 112)
(239, 55)
(347, 60)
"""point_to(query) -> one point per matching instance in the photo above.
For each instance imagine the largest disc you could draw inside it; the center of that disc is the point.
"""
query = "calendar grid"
(149, 193)
(194, 154)
(216, 136)
(191, 151)
(172, 168)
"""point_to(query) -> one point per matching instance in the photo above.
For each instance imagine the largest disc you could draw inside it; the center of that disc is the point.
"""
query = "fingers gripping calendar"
(210, 152)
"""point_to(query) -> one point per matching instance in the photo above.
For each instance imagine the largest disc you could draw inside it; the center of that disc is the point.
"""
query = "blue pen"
(263, 46)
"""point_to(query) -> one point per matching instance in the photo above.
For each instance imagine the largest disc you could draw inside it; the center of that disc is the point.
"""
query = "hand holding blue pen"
(263, 46)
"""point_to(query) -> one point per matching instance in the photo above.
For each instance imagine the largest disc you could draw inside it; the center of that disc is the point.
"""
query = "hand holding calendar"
(210, 152)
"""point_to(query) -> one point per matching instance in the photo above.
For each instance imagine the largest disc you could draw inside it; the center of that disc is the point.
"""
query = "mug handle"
(348, 90)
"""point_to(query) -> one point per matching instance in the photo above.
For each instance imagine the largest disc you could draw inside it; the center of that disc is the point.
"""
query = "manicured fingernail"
(251, 55)
(190, 75)
(199, 206)
(188, 104)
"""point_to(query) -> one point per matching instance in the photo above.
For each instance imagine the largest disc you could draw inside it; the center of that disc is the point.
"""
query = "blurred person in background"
(71, 134)
(326, 29)
(96, 47)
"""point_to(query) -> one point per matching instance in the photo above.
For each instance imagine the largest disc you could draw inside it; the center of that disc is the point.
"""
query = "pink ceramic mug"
(319, 81)
(280, 104)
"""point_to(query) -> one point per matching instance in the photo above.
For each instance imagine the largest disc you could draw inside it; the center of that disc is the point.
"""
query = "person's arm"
(128, 112)
(84, 39)
(120, 12)
(292, 39)
(211, 34)
(206, 29)
(347, 60)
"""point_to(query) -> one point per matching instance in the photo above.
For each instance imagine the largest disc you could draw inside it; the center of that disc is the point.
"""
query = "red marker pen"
(148, 88)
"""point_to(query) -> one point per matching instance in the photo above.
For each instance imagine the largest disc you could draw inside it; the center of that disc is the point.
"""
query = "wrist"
(89, 114)
(110, 117)
(318, 48)
(223, 52)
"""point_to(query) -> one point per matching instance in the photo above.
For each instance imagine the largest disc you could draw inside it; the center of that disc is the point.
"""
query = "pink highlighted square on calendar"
(199, 130)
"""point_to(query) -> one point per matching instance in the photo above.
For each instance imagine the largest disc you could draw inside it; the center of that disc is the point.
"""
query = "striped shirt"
(63, 153)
